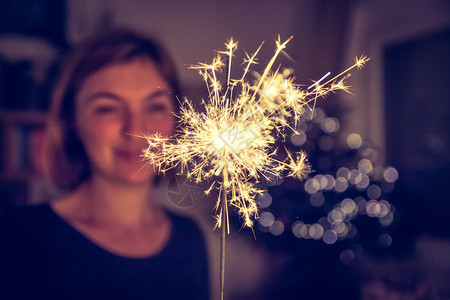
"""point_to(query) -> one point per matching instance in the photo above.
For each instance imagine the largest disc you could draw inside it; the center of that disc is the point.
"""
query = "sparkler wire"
(222, 240)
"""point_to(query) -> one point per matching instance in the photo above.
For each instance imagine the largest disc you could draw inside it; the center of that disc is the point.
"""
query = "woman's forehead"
(139, 76)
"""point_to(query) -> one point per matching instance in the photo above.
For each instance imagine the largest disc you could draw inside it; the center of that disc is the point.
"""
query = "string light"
(367, 180)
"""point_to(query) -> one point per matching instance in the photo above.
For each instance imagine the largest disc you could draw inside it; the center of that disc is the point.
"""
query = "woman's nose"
(134, 124)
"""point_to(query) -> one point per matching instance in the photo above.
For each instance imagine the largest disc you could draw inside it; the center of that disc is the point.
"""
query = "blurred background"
(372, 220)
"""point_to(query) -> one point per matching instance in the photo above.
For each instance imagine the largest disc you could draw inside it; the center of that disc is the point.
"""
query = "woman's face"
(114, 106)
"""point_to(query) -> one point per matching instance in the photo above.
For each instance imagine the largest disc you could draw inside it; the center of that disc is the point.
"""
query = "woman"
(105, 238)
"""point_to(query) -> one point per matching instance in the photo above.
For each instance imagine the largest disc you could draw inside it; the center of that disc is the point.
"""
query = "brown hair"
(67, 162)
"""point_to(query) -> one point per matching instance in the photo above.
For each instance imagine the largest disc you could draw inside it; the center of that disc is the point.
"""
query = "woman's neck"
(107, 203)
(118, 218)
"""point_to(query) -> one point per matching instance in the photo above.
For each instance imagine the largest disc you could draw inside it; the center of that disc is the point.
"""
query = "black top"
(44, 257)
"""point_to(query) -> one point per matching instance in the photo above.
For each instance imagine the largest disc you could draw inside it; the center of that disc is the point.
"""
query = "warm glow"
(232, 142)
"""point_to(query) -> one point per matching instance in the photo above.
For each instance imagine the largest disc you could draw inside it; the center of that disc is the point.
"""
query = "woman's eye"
(157, 108)
(105, 109)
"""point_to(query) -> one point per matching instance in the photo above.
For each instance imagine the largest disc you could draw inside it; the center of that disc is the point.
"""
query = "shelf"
(27, 117)
(18, 176)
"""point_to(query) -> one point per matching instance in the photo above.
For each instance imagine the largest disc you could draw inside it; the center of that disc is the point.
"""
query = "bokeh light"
(316, 231)
(385, 208)
(277, 228)
(335, 216)
(299, 138)
(341, 184)
(317, 199)
(266, 219)
(330, 237)
(361, 204)
(341, 229)
(348, 206)
(385, 240)
(342, 193)
(373, 208)
(390, 175)
(365, 149)
(354, 176)
(347, 256)
(365, 166)
(364, 182)
(264, 200)
(378, 209)
(330, 125)
(312, 186)
(342, 172)
(387, 219)
(373, 191)
(299, 229)
(354, 141)
(330, 182)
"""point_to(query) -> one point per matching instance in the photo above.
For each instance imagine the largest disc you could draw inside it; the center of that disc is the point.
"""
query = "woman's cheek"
(164, 126)
(102, 132)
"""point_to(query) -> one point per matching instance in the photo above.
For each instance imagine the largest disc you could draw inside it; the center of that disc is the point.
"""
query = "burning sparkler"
(232, 143)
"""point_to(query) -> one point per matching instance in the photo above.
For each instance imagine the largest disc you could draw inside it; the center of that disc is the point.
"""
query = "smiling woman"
(112, 66)
(105, 238)
(116, 106)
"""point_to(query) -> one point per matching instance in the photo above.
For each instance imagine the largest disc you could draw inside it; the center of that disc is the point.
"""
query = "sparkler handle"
(222, 243)
(224, 220)
(225, 228)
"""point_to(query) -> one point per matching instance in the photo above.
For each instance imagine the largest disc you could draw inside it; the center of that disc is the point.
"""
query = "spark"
(232, 143)
(318, 81)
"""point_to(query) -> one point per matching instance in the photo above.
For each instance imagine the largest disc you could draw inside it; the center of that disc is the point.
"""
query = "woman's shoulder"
(25, 211)
(24, 217)
(21, 231)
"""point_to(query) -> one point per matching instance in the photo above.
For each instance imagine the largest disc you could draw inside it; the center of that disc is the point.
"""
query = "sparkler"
(232, 143)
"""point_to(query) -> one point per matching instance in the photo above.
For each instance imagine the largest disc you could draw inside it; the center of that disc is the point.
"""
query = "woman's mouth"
(130, 155)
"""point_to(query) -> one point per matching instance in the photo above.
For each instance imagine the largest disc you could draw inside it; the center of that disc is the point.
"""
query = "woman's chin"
(136, 174)
(143, 175)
